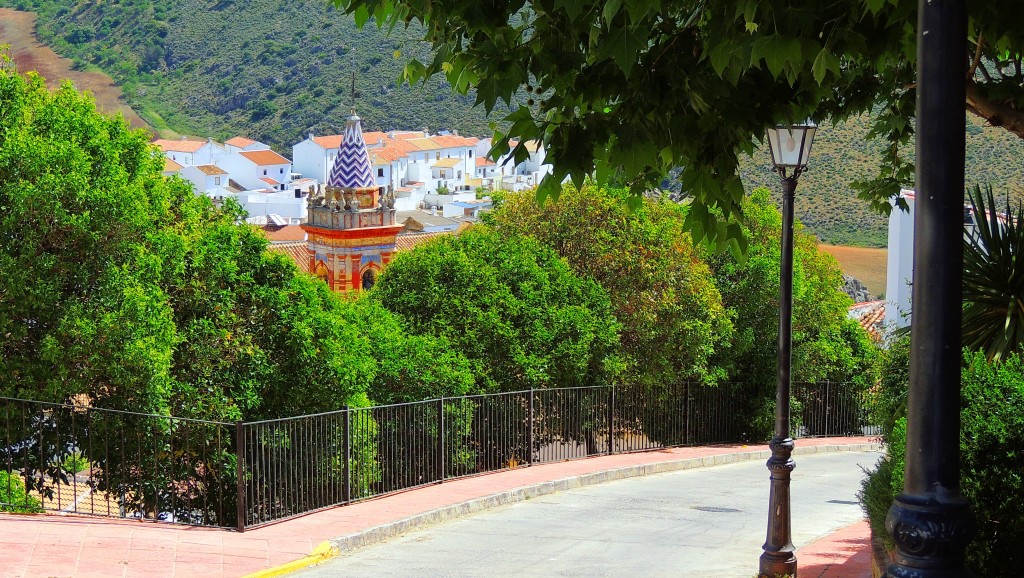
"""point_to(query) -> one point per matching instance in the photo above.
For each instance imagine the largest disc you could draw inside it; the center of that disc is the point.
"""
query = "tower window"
(380, 172)
(369, 279)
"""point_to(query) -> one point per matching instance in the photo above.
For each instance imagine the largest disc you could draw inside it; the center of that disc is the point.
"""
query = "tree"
(826, 344)
(634, 88)
(518, 313)
(663, 294)
(125, 289)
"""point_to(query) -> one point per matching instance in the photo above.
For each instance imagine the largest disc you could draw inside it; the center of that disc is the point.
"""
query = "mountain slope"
(268, 69)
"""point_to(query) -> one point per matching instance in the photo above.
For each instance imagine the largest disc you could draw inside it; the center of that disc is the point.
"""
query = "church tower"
(351, 225)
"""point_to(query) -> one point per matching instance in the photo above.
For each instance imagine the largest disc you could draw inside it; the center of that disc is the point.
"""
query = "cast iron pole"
(779, 558)
(930, 521)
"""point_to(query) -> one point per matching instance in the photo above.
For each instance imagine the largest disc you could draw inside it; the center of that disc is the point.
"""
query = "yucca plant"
(993, 314)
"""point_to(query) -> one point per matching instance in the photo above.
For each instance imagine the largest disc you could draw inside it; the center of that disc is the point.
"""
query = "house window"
(281, 171)
(437, 156)
(460, 175)
(264, 172)
(216, 181)
(470, 154)
(380, 172)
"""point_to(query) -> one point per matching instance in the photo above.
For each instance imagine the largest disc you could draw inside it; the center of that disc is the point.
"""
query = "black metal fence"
(79, 459)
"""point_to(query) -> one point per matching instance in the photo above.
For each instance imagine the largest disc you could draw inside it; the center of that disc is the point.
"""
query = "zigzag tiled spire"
(352, 168)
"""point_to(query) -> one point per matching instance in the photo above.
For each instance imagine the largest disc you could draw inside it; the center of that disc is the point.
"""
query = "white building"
(240, 143)
(259, 169)
(209, 180)
(191, 152)
(900, 266)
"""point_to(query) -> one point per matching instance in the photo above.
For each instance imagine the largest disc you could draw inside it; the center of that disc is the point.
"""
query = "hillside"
(269, 69)
(275, 69)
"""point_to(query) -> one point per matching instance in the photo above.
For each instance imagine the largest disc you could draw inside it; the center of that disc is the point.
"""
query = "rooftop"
(180, 145)
(170, 166)
(240, 142)
(264, 158)
(449, 163)
(210, 170)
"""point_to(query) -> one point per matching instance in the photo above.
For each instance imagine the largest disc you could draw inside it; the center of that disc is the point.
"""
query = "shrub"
(992, 462)
(14, 498)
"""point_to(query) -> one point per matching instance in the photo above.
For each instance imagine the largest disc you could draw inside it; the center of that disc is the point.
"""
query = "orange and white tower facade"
(351, 226)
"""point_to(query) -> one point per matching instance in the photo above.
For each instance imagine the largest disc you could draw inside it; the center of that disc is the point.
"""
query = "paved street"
(708, 521)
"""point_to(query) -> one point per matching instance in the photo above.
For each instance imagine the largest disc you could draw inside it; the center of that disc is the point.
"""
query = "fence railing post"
(440, 440)
(347, 466)
(611, 421)
(529, 430)
(828, 408)
(240, 474)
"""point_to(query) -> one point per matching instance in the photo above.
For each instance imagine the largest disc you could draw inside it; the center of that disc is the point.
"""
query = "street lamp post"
(790, 147)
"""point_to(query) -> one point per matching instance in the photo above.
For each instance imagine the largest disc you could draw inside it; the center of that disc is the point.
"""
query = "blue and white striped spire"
(352, 169)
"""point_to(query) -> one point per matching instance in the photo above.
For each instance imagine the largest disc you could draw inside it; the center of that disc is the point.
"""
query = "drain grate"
(716, 509)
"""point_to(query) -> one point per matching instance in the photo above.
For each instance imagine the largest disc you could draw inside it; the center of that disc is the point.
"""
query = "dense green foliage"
(14, 498)
(993, 317)
(267, 69)
(517, 311)
(672, 317)
(692, 314)
(992, 460)
(119, 284)
(826, 344)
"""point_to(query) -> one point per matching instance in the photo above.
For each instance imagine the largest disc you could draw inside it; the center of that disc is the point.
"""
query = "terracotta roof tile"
(180, 145)
(870, 315)
(407, 241)
(331, 141)
(285, 234)
(211, 170)
(452, 141)
(240, 142)
(170, 166)
(297, 251)
(484, 162)
(447, 163)
(270, 181)
(424, 144)
(263, 158)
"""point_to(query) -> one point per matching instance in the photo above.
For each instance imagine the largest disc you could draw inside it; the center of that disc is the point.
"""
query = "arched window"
(369, 278)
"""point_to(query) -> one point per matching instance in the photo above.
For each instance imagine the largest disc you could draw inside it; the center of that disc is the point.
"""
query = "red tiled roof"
(269, 181)
(373, 137)
(170, 166)
(180, 145)
(240, 142)
(450, 141)
(331, 141)
(387, 154)
(211, 170)
(264, 158)
(285, 234)
(297, 251)
(484, 162)
(869, 315)
(407, 241)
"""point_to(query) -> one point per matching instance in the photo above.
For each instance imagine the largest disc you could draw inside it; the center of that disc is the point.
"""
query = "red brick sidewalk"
(51, 545)
(844, 554)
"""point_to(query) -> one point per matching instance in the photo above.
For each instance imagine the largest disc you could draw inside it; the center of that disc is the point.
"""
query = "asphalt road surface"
(707, 522)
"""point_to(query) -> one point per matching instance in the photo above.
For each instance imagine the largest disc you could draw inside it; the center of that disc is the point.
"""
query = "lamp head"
(790, 146)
